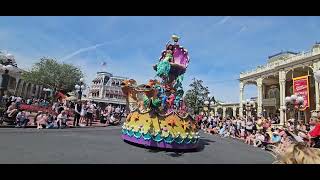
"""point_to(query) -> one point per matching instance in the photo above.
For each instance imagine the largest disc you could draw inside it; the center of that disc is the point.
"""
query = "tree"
(196, 96)
(52, 74)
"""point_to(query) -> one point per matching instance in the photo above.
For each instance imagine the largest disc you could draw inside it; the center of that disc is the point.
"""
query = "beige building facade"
(274, 81)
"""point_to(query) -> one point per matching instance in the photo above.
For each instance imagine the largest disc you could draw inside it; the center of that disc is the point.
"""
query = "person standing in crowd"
(55, 107)
(83, 114)
(60, 108)
(77, 112)
(117, 110)
(90, 110)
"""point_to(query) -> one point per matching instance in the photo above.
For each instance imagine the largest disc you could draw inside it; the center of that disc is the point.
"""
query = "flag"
(104, 64)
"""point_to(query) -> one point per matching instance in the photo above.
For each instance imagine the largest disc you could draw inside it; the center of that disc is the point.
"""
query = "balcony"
(273, 65)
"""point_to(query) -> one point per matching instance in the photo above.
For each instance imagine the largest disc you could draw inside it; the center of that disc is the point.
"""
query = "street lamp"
(46, 90)
(294, 103)
(80, 88)
(249, 106)
(209, 103)
(7, 64)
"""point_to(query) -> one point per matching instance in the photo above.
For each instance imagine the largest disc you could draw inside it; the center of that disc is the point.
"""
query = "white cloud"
(93, 47)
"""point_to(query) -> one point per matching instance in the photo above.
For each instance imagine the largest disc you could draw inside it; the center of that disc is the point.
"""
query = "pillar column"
(17, 86)
(282, 84)
(216, 111)
(224, 111)
(241, 99)
(259, 85)
(315, 68)
(234, 109)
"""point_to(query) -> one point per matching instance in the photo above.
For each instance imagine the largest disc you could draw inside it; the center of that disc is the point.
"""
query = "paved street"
(104, 145)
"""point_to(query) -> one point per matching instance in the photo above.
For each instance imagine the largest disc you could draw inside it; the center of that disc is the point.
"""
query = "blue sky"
(220, 47)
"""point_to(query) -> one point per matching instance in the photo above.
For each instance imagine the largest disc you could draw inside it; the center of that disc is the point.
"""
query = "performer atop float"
(158, 115)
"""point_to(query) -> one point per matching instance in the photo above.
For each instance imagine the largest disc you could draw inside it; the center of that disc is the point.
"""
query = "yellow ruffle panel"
(168, 125)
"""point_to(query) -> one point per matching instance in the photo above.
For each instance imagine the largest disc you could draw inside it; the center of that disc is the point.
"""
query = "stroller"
(115, 119)
(4, 118)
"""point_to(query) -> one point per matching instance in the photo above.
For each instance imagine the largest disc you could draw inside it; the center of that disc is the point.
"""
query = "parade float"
(158, 114)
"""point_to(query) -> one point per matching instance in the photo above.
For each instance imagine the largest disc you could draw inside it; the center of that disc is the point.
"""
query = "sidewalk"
(69, 123)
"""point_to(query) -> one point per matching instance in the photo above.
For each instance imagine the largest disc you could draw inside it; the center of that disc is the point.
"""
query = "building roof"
(283, 52)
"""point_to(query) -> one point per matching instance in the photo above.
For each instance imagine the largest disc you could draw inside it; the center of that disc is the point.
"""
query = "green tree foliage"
(52, 74)
(196, 95)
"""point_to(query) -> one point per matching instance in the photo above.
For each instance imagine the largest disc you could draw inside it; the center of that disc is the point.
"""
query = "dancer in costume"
(158, 116)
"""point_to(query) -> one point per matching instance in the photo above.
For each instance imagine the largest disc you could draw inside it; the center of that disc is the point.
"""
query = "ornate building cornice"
(306, 58)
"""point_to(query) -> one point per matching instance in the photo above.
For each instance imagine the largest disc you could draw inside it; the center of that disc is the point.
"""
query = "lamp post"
(294, 103)
(316, 75)
(80, 88)
(209, 103)
(284, 109)
(7, 65)
(249, 107)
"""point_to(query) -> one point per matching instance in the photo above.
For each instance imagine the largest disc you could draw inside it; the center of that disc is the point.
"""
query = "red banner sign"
(301, 88)
(33, 108)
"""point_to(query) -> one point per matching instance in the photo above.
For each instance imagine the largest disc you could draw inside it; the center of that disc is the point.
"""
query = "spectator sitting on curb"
(62, 119)
(22, 119)
(42, 120)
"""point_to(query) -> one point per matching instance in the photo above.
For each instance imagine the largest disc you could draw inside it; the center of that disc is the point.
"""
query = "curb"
(13, 126)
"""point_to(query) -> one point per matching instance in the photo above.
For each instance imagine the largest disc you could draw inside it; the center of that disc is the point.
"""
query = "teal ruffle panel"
(137, 134)
(178, 140)
(130, 133)
(169, 139)
(158, 138)
(187, 141)
(146, 136)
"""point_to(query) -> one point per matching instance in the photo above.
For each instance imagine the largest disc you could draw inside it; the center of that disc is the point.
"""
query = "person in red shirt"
(314, 134)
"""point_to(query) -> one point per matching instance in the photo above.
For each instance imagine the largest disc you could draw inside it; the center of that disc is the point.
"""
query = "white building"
(16, 86)
(106, 88)
(274, 81)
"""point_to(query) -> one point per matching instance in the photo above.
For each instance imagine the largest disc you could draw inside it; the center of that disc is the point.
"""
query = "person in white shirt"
(62, 119)
(117, 110)
(258, 139)
(90, 111)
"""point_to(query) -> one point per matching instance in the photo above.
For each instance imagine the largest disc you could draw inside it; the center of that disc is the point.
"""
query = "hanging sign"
(301, 88)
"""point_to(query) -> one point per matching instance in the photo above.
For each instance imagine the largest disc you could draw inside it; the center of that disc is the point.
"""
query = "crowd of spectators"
(261, 132)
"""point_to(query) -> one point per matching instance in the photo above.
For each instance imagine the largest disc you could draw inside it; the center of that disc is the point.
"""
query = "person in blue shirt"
(276, 138)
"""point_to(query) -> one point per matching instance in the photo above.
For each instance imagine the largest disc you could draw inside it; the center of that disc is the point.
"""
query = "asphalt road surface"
(105, 146)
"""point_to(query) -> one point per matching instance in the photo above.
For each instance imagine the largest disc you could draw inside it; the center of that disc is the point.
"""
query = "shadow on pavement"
(176, 152)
